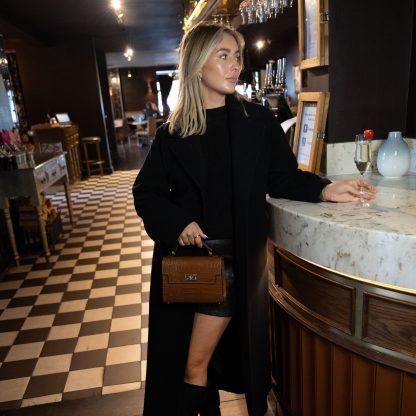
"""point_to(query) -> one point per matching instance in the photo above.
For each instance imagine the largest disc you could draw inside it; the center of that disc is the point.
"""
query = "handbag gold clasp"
(191, 277)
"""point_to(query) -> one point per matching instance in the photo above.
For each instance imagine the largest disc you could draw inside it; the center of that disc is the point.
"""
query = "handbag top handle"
(205, 245)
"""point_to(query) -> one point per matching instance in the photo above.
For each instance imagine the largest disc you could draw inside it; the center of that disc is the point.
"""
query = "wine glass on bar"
(362, 158)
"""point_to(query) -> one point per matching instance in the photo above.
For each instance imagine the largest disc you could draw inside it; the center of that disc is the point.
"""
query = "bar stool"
(93, 165)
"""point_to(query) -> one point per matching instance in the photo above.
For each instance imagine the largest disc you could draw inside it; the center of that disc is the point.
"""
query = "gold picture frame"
(310, 129)
(313, 33)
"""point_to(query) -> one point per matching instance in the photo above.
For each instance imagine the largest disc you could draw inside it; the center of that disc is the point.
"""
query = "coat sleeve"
(285, 180)
(163, 220)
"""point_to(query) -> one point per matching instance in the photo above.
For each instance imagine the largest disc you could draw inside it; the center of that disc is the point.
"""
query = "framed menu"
(313, 33)
(310, 128)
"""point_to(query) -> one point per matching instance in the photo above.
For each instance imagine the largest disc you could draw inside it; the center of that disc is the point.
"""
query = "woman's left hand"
(349, 190)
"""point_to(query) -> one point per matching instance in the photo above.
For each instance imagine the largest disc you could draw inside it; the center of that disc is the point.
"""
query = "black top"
(217, 155)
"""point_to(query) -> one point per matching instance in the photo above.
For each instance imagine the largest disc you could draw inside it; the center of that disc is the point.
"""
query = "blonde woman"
(206, 178)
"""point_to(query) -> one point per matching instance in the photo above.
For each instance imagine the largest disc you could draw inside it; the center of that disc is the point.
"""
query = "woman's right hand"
(192, 235)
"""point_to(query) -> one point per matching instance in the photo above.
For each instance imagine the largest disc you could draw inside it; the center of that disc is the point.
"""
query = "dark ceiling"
(151, 27)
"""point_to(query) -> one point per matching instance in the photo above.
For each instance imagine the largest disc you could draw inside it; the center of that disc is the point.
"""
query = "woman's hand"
(349, 190)
(192, 235)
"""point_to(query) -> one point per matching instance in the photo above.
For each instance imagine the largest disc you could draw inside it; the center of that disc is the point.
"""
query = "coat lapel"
(188, 153)
(245, 146)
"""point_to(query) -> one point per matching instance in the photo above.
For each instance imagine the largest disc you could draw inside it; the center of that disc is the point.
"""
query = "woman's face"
(220, 72)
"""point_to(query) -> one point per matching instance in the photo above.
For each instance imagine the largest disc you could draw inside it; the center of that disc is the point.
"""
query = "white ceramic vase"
(393, 158)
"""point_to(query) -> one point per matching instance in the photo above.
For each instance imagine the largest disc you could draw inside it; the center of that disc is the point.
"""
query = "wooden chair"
(132, 128)
(145, 137)
(288, 127)
(122, 130)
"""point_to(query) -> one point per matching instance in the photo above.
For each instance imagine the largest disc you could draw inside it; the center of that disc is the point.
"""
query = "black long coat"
(169, 193)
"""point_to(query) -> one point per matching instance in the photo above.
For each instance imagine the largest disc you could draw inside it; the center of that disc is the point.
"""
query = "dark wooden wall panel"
(61, 79)
(411, 107)
(369, 67)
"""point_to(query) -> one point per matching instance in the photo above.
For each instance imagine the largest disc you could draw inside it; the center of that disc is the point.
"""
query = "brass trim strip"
(347, 276)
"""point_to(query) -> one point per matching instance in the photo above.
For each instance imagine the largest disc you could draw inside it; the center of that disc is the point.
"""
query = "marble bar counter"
(342, 285)
(376, 243)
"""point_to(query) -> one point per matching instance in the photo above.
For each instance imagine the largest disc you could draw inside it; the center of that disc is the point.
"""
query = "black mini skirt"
(227, 308)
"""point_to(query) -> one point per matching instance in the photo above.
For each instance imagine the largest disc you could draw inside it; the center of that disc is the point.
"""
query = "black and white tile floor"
(77, 327)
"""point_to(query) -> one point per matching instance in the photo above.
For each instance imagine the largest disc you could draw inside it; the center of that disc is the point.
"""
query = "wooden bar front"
(340, 345)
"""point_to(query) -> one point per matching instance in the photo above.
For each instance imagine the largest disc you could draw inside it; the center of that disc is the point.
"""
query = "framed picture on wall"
(310, 129)
(313, 33)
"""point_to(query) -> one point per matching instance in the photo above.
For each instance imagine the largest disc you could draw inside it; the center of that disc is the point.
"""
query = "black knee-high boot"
(212, 403)
(193, 399)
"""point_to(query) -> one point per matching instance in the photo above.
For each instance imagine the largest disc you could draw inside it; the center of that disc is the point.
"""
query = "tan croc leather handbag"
(194, 279)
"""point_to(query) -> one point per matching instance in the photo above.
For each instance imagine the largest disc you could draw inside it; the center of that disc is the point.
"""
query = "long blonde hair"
(197, 44)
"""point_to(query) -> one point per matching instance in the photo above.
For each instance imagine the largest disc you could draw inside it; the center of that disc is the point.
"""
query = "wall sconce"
(129, 74)
(260, 44)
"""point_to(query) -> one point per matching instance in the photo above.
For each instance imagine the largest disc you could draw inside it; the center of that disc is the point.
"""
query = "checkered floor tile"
(77, 327)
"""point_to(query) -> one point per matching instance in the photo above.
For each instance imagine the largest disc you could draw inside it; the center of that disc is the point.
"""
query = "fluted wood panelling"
(408, 395)
(293, 370)
(323, 379)
(307, 373)
(341, 381)
(362, 401)
(388, 390)
(322, 376)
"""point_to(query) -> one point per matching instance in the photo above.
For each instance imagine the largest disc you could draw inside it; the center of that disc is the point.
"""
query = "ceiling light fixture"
(116, 5)
(129, 53)
(120, 18)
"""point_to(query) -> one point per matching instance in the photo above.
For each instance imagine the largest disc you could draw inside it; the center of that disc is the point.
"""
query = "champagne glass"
(362, 159)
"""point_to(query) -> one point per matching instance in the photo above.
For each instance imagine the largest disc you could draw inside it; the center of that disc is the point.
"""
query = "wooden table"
(143, 123)
(49, 170)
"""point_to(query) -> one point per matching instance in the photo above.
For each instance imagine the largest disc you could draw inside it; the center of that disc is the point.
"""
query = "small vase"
(393, 158)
